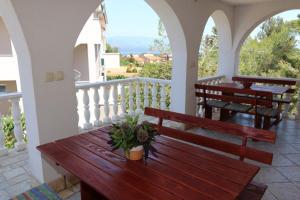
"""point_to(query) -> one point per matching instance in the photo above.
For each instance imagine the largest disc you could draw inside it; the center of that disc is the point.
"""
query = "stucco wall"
(111, 60)
(5, 45)
(81, 61)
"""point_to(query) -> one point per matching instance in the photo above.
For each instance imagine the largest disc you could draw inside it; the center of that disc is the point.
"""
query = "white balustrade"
(131, 102)
(124, 95)
(77, 111)
(123, 101)
(138, 98)
(162, 96)
(154, 95)
(146, 94)
(97, 122)
(115, 116)
(106, 95)
(18, 132)
(86, 105)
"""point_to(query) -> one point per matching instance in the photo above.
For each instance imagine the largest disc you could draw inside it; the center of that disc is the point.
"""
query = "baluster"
(154, 94)
(77, 111)
(162, 96)
(18, 132)
(146, 94)
(97, 122)
(298, 105)
(138, 98)
(115, 100)
(3, 150)
(131, 102)
(106, 92)
(86, 104)
(123, 101)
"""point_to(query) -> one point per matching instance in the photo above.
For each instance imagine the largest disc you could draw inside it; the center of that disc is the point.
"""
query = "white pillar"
(97, 122)
(115, 116)
(154, 95)
(138, 98)
(106, 93)
(92, 62)
(131, 102)
(123, 101)
(146, 94)
(18, 132)
(3, 150)
(87, 114)
(162, 96)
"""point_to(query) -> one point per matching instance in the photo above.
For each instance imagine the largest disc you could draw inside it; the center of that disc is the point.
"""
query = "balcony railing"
(110, 101)
(101, 103)
(14, 99)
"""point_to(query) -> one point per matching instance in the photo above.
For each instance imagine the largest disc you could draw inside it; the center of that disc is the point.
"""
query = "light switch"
(59, 76)
(49, 76)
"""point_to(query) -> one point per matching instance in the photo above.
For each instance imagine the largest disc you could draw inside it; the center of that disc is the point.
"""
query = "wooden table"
(180, 170)
(277, 90)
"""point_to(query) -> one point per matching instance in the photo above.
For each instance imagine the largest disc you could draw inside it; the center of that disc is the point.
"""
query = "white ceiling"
(242, 2)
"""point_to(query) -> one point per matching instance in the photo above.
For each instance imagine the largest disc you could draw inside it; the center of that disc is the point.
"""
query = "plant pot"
(135, 153)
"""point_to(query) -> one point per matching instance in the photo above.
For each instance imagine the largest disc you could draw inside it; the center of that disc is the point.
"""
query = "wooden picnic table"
(180, 170)
(276, 90)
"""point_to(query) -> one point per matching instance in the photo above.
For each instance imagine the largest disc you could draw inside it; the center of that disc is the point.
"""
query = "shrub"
(8, 130)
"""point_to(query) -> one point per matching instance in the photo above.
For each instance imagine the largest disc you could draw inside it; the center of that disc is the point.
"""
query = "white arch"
(223, 26)
(14, 28)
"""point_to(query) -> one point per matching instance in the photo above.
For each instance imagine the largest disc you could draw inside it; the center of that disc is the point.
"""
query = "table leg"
(208, 112)
(224, 114)
(88, 193)
(258, 121)
(267, 123)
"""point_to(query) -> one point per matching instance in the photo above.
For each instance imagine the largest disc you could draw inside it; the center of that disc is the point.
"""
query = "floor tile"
(284, 191)
(292, 173)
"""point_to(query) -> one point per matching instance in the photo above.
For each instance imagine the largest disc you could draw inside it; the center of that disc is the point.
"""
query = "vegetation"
(161, 44)
(130, 134)
(111, 49)
(8, 129)
(109, 78)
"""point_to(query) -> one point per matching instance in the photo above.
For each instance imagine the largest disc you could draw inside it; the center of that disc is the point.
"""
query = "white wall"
(81, 61)
(111, 60)
(5, 45)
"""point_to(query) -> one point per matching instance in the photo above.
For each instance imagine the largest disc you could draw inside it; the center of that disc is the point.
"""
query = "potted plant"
(134, 138)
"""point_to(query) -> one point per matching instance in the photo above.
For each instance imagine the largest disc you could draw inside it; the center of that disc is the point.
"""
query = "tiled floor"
(283, 177)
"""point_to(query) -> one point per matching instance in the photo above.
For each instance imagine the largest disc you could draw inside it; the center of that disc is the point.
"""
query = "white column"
(154, 93)
(131, 102)
(106, 92)
(115, 116)
(123, 101)
(3, 150)
(138, 98)
(92, 62)
(16, 111)
(146, 94)
(97, 122)
(162, 96)
(86, 105)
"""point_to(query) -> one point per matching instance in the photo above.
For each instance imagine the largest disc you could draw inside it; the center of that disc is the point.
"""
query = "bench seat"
(238, 107)
(214, 103)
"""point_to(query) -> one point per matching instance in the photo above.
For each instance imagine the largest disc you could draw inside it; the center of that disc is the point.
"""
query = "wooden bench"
(253, 191)
(237, 100)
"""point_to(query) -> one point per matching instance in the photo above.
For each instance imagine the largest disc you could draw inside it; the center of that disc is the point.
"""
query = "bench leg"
(208, 112)
(224, 114)
(88, 193)
(258, 121)
(267, 123)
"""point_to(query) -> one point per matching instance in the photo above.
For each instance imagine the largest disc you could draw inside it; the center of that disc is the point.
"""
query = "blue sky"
(136, 18)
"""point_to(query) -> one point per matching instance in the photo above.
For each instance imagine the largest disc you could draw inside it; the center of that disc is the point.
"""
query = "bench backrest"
(272, 81)
(252, 97)
(227, 128)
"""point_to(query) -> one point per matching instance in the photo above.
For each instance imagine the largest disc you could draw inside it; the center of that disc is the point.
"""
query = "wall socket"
(49, 76)
(59, 76)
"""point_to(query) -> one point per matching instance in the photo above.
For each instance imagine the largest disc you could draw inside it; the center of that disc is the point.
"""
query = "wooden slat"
(171, 180)
(90, 153)
(223, 127)
(264, 80)
(95, 178)
(209, 179)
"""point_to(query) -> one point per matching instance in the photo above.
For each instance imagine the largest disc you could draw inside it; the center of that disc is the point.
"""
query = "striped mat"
(42, 192)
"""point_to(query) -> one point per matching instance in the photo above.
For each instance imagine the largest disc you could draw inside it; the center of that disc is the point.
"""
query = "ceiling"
(242, 2)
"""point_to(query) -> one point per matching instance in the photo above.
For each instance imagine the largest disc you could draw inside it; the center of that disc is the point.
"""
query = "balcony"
(103, 103)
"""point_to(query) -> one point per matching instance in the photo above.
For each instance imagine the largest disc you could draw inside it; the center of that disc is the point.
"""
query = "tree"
(161, 44)
(111, 49)
(208, 55)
